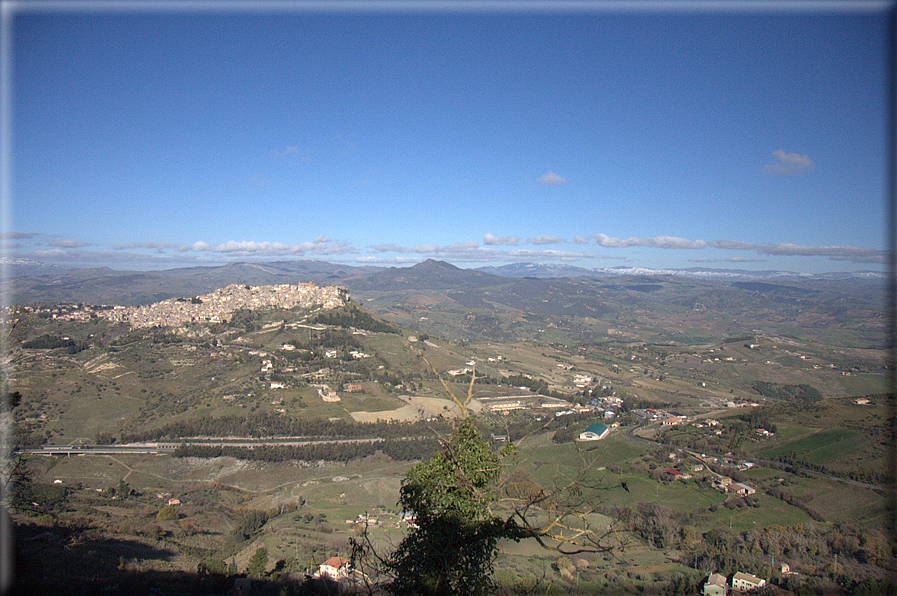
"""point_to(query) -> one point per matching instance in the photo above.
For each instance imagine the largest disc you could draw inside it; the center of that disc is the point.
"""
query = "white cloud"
(729, 260)
(467, 252)
(457, 248)
(654, 242)
(333, 248)
(788, 164)
(159, 246)
(321, 245)
(117, 259)
(390, 248)
(731, 244)
(68, 243)
(854, 254)
(53, 253)
(559, 255)
(250, 247)
(543, 239)
(374, 260)
(836, 253)
(490, 240)
(551, 179)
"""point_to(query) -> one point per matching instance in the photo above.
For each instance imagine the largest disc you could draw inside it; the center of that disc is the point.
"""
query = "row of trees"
(404, 450)
(264, 425)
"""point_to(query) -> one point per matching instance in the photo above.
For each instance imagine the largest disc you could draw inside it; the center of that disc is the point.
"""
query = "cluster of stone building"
(219, 306)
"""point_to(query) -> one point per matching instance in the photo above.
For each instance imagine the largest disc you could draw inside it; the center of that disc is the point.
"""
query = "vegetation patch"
(352, 316)
(820, 448)
(802, 392)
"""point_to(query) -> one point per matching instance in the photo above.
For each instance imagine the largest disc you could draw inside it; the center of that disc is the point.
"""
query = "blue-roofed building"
(594, 433)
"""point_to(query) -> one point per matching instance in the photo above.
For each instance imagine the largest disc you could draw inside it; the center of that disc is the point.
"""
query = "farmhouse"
(594, 433)
(335, 568)
(715, 585)
(742, 489)
(722, 483)
(745, 582)
(673, 420)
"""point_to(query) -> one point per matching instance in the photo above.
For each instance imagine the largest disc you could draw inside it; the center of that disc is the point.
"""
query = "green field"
(770, 512)
(822, 447)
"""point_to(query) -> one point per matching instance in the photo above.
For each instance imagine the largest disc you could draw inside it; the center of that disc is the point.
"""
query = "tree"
(167, 513)
(450, 494)
(258, 563)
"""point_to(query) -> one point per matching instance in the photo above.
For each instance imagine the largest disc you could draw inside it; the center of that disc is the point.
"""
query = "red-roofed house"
(335, 568)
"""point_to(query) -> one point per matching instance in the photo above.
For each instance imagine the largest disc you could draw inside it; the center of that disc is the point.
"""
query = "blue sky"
(602, 138)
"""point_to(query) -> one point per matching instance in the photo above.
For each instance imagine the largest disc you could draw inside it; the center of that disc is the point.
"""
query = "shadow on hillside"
(64, 562)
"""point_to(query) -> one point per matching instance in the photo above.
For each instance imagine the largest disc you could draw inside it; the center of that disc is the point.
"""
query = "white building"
(715, 586)
(745, 582)
(335, 568)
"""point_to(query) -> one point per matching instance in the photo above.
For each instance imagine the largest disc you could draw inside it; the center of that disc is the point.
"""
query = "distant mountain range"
(543, 270)
(428, 275)
(32, 281)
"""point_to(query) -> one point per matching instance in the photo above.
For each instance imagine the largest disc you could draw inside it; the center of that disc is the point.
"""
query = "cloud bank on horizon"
(494, 249)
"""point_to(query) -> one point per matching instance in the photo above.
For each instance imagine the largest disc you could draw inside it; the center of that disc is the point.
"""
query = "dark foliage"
(396, 449)
(50, 342)
(452, 549)
(263, 425)
(353, 316)
(802, 392)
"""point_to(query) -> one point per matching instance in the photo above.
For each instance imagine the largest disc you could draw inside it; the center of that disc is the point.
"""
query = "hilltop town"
(219, 306)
